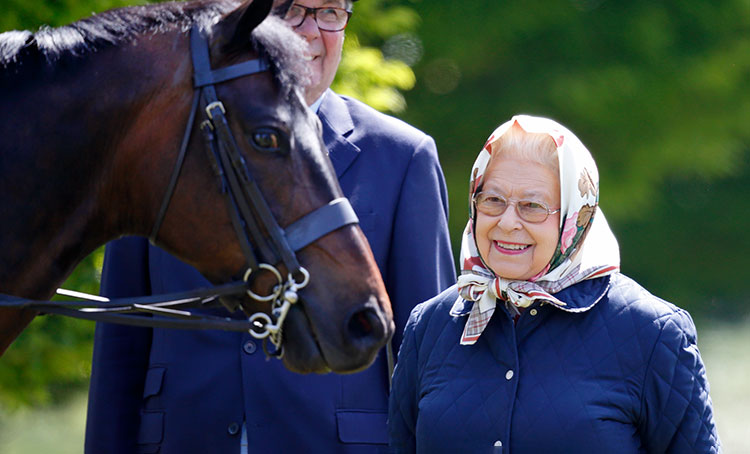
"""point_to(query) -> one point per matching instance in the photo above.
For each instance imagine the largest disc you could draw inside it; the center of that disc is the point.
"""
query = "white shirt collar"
(315, 107)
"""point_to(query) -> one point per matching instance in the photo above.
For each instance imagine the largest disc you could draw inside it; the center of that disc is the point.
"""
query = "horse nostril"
(366, 323)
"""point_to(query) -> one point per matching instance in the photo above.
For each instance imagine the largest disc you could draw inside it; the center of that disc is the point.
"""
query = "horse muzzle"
(346, 345)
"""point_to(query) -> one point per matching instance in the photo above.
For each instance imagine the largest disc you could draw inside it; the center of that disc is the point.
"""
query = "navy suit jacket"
(175, 391)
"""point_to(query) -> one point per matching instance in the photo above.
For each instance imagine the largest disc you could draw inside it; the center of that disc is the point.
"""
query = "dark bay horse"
(93, 120)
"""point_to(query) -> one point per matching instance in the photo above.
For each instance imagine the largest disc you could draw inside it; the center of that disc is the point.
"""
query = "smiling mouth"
(511, 248)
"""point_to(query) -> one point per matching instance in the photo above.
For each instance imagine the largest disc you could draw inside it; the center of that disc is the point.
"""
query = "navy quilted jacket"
(617, 372)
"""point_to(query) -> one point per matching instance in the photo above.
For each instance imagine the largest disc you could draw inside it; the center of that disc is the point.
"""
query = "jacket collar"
(578, 298)
(337, 126)
(583, 295)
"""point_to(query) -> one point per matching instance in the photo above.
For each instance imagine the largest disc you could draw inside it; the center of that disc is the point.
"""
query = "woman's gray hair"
(538, 147)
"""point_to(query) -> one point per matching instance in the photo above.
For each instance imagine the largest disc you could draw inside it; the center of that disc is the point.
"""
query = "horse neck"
(78, 173)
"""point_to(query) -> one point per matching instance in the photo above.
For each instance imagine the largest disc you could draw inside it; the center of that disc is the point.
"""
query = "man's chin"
(313, 93)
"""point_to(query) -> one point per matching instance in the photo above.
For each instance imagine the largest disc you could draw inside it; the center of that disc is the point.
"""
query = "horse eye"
(266, 139)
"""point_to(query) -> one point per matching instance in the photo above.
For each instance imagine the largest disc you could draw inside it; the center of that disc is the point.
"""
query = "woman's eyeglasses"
(328, 18)
(493, 204)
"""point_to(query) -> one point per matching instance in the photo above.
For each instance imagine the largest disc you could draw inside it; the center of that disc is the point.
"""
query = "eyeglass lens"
(495, 205)
(328, 18)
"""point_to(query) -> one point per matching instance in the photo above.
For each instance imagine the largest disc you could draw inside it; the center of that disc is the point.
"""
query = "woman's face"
(513, 248)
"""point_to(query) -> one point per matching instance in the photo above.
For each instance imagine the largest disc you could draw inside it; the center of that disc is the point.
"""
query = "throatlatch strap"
(176, 171)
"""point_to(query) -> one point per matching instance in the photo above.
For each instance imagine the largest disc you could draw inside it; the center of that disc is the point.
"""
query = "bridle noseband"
(250, 216)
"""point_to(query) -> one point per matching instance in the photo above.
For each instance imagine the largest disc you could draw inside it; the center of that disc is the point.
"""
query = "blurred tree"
(365, 72)
(52, 357)
(25, 15)
(658, 91)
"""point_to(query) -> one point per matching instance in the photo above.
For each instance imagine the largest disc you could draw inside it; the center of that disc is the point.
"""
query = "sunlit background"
(659, 92)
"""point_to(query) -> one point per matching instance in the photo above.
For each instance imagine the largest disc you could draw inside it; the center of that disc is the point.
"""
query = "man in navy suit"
(175, 391)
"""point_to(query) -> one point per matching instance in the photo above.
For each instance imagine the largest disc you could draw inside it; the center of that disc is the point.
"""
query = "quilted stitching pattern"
(623, 376)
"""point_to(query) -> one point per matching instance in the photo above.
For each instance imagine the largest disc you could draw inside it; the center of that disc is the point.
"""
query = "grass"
(724, 347)
(57, 429)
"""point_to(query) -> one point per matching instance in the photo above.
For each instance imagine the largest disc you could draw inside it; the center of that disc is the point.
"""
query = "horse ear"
(245, 18)
(281, 7)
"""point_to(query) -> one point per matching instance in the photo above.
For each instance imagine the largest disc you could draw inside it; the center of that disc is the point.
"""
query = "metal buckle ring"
(211, 106)
(207, 124)
(305, 280)
(276, 289)
(260, 319)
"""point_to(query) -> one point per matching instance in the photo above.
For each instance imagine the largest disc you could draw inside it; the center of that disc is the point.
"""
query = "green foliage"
(364, 74)
(26, 15)
(658, 91)
(52, 357)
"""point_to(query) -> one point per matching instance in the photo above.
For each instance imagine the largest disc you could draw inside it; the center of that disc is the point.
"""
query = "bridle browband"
(250, 216)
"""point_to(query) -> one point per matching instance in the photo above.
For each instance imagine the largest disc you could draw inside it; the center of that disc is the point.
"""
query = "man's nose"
(308, 28)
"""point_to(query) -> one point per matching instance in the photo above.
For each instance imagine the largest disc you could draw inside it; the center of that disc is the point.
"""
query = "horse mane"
(111, 27)
(274, 40)
(117, 26)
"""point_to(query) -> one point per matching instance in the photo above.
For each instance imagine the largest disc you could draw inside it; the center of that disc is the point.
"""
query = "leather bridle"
(251, 217)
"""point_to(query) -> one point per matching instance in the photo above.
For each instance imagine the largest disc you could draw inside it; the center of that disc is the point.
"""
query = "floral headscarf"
(573, 260)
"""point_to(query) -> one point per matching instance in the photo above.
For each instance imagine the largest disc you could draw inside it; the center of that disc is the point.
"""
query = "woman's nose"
(510, 220)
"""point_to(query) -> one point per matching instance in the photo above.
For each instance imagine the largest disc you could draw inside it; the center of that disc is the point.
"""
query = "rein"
(250, 215)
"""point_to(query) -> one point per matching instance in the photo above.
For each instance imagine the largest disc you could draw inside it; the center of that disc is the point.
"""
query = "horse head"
(114, 149)
(343, 316)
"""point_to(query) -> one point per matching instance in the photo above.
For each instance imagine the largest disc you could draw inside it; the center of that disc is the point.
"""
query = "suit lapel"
(337, 126)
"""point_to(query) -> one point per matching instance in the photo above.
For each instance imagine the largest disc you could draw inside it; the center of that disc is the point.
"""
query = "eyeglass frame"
(314, 13)
(509, 202)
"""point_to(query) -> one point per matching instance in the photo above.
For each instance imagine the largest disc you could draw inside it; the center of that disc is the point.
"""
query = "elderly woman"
(543, 346)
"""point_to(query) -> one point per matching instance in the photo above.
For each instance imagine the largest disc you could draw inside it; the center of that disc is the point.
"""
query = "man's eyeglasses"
(328, 18)
(493, 204)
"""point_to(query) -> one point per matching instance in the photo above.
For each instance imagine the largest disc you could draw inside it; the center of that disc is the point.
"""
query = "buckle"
(214, 105)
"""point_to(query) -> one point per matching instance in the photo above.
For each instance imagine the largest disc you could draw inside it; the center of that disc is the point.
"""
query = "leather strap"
(322, 221)
(176, 172)
(201, 79)
(244, 190)
(248, 210)
(167, 310)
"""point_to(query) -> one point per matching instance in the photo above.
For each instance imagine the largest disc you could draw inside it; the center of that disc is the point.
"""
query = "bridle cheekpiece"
(250, 215)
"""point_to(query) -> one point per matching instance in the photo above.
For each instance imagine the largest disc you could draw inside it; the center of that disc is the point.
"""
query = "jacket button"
(509, 375)
(533, 312)
(249, 347)
(233, 428)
